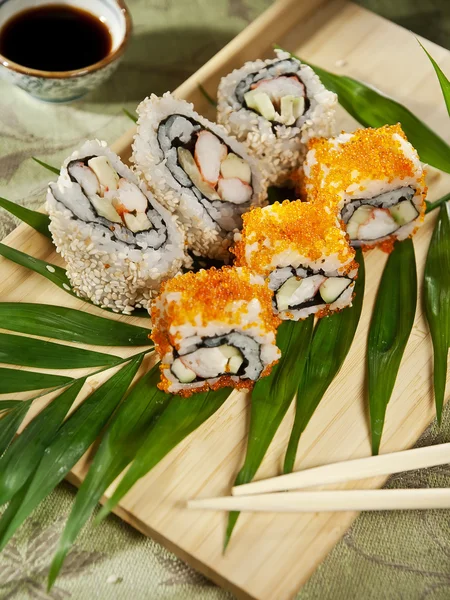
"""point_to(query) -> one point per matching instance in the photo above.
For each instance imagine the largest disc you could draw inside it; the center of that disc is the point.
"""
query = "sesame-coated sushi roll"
(214, 329)
(118, 242)
(304, 254)
(196, 171)
(373, 178)
(275, 107)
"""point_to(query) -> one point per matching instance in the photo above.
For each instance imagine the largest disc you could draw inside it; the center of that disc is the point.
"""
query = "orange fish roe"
(189, 304)
(338, 166)
(217, 295)
(306, 229)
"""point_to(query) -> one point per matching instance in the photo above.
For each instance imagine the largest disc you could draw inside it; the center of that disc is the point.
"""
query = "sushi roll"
(214, 329)
(196, 171)
(373, 178)
(118, 242)
(275, 107)
(303, 253)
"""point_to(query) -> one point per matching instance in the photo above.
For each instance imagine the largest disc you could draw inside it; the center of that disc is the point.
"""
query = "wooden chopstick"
(361, 468)
(326, 501)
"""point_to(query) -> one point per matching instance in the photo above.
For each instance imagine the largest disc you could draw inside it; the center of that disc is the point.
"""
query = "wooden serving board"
(271, 556)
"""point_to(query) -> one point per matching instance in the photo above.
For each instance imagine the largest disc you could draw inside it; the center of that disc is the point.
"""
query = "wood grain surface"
(272, 555)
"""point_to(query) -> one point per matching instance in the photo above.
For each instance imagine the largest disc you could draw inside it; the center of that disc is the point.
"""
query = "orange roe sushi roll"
(373, 178)
(303, 253)
(214, 329)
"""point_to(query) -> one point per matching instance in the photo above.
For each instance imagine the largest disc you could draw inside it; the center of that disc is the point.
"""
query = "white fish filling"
(200, 161)
(234, 354)
(300, 288)
(100, 195)
(374, 218)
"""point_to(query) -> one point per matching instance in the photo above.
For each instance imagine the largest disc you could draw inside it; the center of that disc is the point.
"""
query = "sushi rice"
(275, 107)
(303, 253)
(214, 329)
(196, 171)
(118, 242)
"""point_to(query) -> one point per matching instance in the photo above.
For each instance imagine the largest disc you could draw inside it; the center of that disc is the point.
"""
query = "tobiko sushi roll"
(303, 253)
(196, 171)
(275, 107)
(118, 242)
(373, 178)
(214, 329)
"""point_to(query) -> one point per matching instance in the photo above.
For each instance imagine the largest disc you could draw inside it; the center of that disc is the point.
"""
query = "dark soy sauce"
(55, 37)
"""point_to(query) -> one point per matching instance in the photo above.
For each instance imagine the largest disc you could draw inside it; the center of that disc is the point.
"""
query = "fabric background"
(384, 555)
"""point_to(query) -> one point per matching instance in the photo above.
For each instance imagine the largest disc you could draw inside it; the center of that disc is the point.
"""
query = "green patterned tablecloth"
(389, 556)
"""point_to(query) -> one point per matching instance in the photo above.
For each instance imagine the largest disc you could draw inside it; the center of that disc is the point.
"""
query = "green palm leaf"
(444, 82)
(10, 423)
(179, 419)
(119, 446)
(8, 404)
(24, 454)
(207, 96)
(35, 219)
(46, 166)
(53, 273)
(437, 203)
(70, 325)
(30, 352)
(271, 397)
(15, 380)
(389, 331)
(330, 345)
(436, 288)
(69, 444)
(130, 115)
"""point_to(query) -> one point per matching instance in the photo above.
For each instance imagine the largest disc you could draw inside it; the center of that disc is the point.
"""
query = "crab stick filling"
(295, 289)
(370, 219)
(200, 160)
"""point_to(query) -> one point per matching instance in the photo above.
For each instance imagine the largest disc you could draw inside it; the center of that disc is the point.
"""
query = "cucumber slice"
(182, 373)
(229, 351)
(333, 287)
(291, 108)
(107, 176)
(286, 291)
(352, 230)
(235, 358)
(361, 215)
(235, 167)
(260, 102)
(404, 212)
(234, 364)
(287, 110)
(298, 107)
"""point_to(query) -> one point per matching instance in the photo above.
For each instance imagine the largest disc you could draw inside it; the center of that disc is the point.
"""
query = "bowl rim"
(112, 56)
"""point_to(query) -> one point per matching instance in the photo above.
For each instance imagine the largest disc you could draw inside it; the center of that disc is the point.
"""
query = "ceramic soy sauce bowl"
(65, 86)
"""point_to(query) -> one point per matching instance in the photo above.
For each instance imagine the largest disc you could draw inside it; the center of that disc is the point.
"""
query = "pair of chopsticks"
(269, 495)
